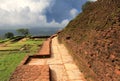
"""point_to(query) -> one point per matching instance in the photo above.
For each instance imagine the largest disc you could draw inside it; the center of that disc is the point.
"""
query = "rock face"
(93, 39)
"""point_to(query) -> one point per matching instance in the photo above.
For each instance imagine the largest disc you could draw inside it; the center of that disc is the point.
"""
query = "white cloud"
(35, 6)
(62, 24)
(26, 13)
(73, 12)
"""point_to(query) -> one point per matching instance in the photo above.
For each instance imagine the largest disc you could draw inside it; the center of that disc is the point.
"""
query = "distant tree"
(23, 31)
(85, 6)
(9, 35)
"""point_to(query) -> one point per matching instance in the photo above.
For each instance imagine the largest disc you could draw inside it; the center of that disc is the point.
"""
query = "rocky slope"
(93, 39)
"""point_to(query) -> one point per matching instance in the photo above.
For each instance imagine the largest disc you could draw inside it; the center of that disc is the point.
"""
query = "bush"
(9, 35)
(23, 31)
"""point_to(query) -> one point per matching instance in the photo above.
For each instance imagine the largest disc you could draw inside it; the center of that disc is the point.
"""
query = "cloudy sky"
(38, 13)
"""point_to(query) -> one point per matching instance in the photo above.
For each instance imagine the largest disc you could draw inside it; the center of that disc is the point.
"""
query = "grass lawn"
(8, 63)
(2, 41)
(12, 53)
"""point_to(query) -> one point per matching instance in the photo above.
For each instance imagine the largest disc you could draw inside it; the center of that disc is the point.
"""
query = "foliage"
(9, 35)
(23, 31)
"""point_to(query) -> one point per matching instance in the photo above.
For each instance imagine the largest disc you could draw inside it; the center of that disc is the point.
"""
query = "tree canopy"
(23, 31)
(9, 35)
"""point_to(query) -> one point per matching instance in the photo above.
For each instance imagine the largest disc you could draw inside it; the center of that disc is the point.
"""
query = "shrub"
(9, 35)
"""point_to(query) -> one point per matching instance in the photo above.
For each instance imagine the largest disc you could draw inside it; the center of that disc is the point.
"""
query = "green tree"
(9, 35)
(23, 31)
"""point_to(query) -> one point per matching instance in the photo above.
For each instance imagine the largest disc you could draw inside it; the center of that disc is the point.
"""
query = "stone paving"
(61, 64)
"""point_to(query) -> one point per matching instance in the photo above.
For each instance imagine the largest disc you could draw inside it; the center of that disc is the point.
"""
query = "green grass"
(11, 55)
(8, 64)
(31, 45)
(5, 40)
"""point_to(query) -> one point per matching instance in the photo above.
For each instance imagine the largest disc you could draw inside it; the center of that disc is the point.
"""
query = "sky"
(38, 13)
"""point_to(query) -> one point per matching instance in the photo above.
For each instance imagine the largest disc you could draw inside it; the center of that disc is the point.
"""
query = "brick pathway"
(61, 64)
(31, 73)
(45, 49)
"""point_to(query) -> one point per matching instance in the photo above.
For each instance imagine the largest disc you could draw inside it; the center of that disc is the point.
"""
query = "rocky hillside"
(93, 39)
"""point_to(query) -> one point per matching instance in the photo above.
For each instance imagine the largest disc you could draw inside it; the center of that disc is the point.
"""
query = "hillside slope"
(93, 40)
